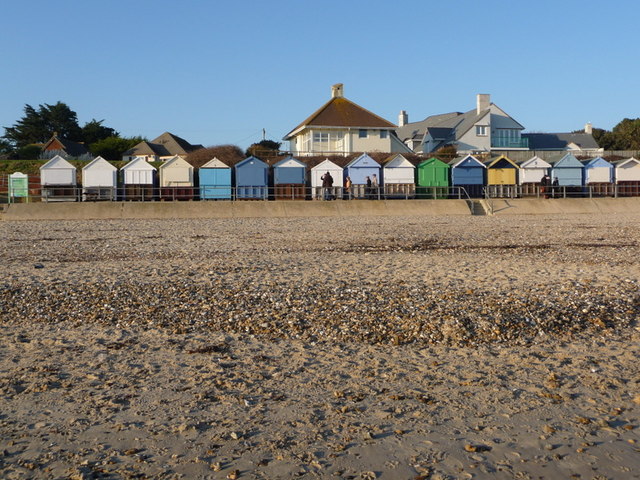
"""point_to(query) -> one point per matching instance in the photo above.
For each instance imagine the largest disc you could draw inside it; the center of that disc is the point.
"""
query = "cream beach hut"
(176, 179)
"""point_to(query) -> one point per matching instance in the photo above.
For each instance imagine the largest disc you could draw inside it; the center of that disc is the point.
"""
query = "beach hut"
(252, 179)
(336, 171)
(18, 187)
(567, 174)
(358, 170)
(289, 179)
(58, 180)
(627, 175)
(99, 180)
(502, 177)
(598, 177)
(530, 175)
(176, 179)
(215, 180)
(398, 177)
(469, 173)
(139, 180)
(432, 178)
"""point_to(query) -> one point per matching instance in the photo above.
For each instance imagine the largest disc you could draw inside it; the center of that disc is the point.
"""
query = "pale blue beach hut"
(215, 180)
(251, 179)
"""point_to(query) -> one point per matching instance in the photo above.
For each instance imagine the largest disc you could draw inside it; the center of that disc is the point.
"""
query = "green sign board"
(18, 185)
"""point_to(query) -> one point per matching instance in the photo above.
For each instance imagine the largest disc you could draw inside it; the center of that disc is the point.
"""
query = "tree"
(94, 131)
(112, 148)
(229, 154)
(6, 150)
(264, 149)
(627, 134)
(37, 126)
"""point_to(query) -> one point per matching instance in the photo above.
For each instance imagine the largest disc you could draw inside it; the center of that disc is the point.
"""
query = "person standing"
(327, 185)
(347, 187)
(367, 188)
(374, 186)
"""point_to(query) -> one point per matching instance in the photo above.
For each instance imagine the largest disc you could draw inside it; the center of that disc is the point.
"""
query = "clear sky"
(218, 72)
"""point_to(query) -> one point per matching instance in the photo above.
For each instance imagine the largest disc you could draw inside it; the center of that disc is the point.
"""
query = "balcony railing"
(509, 142)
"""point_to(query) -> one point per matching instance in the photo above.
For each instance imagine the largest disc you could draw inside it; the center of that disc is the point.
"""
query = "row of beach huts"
(291, 178)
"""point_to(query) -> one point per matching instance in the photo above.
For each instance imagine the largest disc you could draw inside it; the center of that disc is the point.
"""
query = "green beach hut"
(432, 179)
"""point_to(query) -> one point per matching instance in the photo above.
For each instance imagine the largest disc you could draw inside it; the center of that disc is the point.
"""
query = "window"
(328, 142)
(481, 130)
(362, 133)
(383, 133)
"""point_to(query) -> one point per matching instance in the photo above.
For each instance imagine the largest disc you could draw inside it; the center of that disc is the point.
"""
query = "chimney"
(588, 128)
(482, 101)
(337, 90)
(403, 118)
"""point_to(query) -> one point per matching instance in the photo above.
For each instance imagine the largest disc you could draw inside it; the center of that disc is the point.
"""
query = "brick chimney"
(337, 90)
(403, 118)
(483, 100)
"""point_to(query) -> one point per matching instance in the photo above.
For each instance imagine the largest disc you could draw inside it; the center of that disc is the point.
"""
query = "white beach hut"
(316, 178)
(532, 170)
(58, 180)
(176, 179)
(627, 173)
(398, 177)
(99, 180)
(139, 178)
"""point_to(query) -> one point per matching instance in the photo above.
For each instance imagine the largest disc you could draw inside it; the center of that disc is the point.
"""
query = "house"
(64, 148)
(341, 127)
(164, 147)
(487, 128)
(582, 142)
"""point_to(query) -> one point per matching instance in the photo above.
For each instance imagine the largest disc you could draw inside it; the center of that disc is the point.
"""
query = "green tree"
(37, 126)
(627, 134)
(112, 148)
(94, 131)
(264, 149)
(6, 150)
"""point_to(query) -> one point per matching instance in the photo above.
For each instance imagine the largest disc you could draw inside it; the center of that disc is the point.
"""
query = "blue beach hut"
(289, 179)
(358, 170)
(568, 171)
(252, 179)
(468, 173)
(215, 180)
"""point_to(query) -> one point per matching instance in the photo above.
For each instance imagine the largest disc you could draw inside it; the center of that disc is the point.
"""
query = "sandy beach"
(365, 347)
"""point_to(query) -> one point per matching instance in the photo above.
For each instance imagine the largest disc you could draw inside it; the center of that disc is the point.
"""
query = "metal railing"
(148, 193)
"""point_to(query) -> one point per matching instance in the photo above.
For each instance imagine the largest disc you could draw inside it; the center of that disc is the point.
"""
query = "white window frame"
(481, 130)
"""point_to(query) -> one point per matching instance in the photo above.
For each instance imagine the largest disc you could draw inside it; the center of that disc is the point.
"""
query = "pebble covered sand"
(368, 347)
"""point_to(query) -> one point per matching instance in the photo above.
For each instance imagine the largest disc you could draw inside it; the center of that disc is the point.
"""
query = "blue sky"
(219, 72)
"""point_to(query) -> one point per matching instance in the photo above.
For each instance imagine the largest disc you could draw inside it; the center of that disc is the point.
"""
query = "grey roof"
(165, 145)
(446, 127)
(559, 141)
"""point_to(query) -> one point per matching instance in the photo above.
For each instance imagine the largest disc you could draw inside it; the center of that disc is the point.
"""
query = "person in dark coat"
(327, 185)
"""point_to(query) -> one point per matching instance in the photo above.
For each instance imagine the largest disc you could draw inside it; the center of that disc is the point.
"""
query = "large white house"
(341, 127)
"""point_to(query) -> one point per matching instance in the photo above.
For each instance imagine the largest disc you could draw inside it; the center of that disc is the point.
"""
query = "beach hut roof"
(596, 162)
(100, 163)
(467, 159)
(327, 165)
(175, 161)
(363, 160)
(290, 162)
(501, 158)
(215, 163)
(250, 160)
(138, 163)
(569, 160)
(622, 163)
(431, 160)
(57, 162)
(535, 162)
(398, 161)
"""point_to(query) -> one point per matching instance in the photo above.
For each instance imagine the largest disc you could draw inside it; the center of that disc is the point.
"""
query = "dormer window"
(481, 130)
